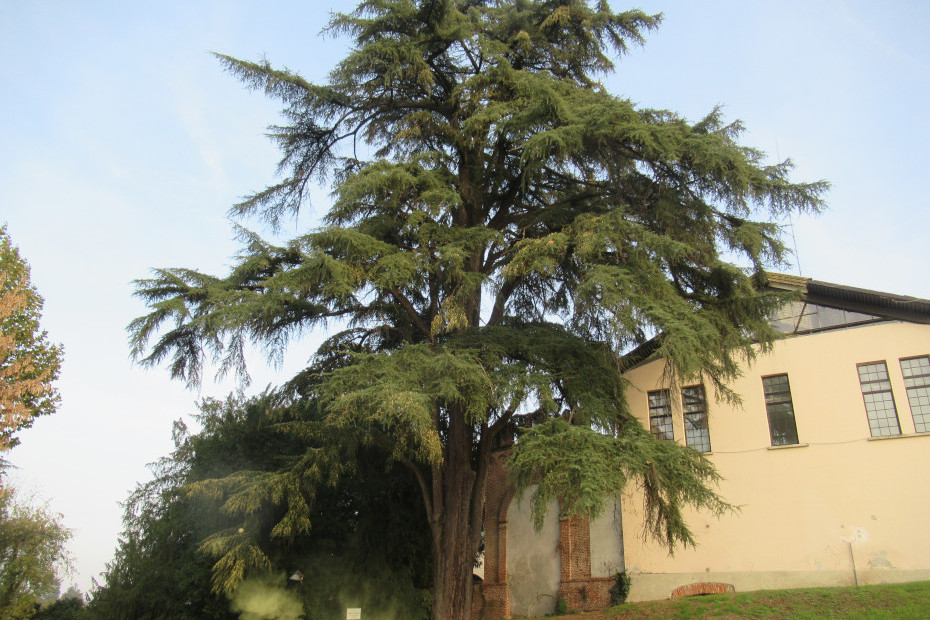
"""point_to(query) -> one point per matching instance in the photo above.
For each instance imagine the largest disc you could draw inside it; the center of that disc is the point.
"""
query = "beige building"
(826, 459)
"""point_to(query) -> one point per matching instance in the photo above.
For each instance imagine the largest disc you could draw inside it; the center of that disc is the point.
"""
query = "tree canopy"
(366, 545)
(32, 555)
(32, 539)
(503, 230)
(29, 363)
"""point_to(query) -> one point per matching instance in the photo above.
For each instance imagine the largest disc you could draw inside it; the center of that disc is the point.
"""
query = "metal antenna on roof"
(794, 240)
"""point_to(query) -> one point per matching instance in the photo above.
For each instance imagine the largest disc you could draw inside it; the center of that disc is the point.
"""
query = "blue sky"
(124, 143)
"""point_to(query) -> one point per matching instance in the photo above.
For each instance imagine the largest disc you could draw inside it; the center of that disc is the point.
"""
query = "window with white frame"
(878, 399)
(916, 372)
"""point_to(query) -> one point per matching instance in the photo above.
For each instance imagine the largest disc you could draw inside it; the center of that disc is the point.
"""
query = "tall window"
(916, 371)
(782, 427)
(660, 415)
(697, 433)
(879, 401)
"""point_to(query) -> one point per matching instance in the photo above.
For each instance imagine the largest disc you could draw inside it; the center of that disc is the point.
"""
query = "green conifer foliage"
(515, 230)
(228, 493)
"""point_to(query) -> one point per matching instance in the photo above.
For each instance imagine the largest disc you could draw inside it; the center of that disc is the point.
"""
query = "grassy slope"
(895, 601)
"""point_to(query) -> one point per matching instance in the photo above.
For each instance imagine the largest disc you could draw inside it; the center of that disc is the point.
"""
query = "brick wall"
(575, 548)
(580, 590)
(587, 594)
(704, 587)
(499, 493)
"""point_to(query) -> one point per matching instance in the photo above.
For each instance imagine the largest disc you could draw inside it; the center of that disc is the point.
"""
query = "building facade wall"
(837, 508)
(527, 572)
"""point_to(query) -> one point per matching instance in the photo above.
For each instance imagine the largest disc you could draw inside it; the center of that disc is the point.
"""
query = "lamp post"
(299, 578)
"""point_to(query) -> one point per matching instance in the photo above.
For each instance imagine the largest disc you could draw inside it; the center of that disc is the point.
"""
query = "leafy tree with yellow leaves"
(29, 363)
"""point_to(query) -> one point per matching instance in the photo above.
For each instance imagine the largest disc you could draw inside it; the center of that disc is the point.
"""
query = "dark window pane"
(660, 415)
(782, 427)
(697, 433)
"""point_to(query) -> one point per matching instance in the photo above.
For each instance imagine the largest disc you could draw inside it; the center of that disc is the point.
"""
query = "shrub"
(620, 589)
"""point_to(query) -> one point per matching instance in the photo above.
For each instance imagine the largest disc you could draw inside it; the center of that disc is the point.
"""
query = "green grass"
(893, 601)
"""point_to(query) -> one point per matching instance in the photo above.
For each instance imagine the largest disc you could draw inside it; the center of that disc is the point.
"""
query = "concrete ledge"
(789, 446)
(901, 436)
(656, 586)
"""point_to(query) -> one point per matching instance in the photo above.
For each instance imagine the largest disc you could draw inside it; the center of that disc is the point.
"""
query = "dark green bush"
(620, 589)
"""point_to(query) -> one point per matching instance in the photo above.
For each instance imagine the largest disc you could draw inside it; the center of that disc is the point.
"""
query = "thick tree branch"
(500, 301)
(412, 313)
(424, 487)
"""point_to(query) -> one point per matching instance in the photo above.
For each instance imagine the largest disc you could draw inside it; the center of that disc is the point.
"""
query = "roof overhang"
(899, 307)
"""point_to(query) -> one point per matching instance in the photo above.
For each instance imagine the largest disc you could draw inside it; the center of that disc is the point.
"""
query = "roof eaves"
(903, 307)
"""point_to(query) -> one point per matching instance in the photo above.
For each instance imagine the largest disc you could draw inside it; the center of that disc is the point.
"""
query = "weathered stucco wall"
(607, 541)
(838, 508)
(533, 566)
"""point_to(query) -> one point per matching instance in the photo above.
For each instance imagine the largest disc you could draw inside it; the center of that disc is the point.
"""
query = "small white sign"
(354, 613)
